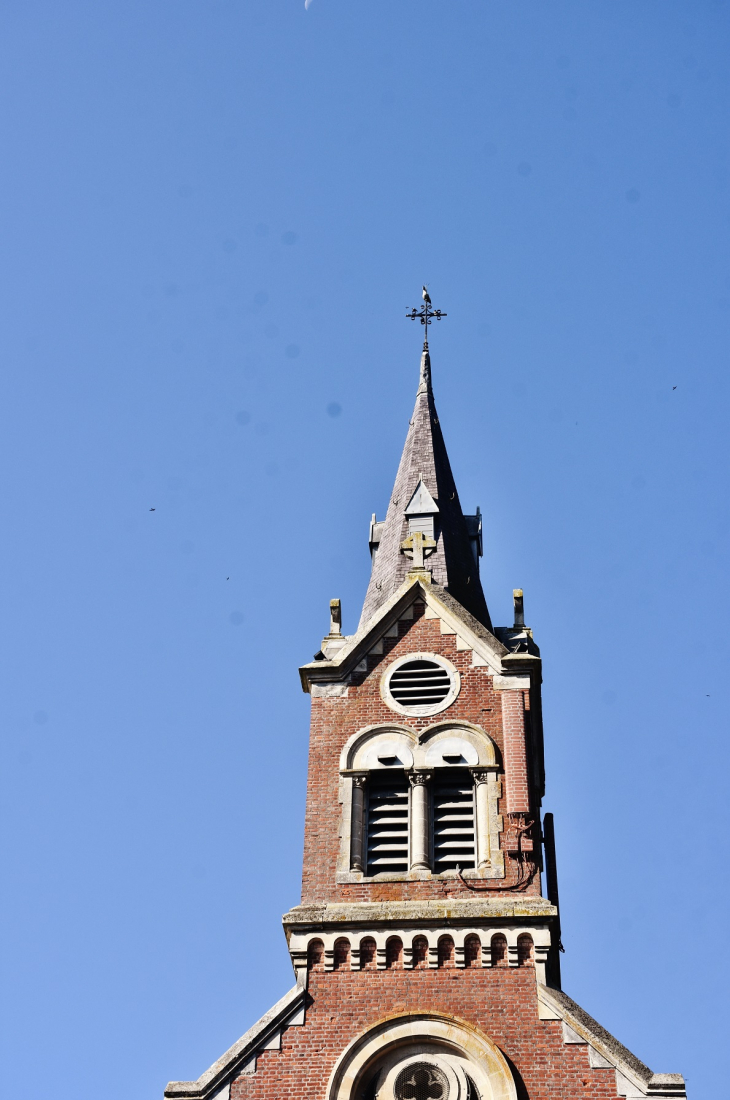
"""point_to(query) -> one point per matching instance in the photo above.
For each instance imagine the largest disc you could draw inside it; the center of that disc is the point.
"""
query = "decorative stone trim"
(329, 691)
(358, 854)
(299, 943)
(495, 871)
(511, 683)
(420, 711)
(352, 750)
(483, 911)
(487, 1064)
(420, 779)
(487, 649)
(361, 751)
(420, 820)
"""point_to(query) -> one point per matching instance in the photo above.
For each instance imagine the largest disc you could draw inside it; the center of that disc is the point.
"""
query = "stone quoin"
(426, 947)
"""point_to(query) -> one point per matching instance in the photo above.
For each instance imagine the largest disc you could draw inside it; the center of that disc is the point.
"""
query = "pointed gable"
(421, 503)
(425, 485)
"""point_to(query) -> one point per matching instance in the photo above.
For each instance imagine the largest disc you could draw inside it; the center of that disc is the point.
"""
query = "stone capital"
(420, 779)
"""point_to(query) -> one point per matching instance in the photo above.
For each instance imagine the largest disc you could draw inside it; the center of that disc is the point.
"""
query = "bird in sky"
(426, 296)
(674, 387)
(152, 509)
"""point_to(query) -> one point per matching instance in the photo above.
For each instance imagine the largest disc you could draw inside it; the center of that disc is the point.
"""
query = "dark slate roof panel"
(452, 562)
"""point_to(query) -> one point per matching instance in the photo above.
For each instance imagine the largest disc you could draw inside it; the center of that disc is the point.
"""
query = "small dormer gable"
(421, 503)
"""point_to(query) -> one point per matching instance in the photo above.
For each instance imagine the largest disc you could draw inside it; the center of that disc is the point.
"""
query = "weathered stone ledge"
(420, 912)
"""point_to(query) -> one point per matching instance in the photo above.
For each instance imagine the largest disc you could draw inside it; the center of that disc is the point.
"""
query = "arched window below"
(472, 951)
(387, 823)
(368, 960)
(394, 953)
(342, 955)
(315, 955)
(499, 951)
(420, 953)
(446, 951)
(525, 951)
(454, 841)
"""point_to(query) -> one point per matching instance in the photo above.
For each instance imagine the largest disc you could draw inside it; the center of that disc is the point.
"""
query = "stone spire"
(424, 500)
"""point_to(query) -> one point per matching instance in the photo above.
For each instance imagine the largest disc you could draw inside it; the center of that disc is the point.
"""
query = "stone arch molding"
(455, 1045)
(451, 733)
(375, 746)
(423, 755)
(364, 744)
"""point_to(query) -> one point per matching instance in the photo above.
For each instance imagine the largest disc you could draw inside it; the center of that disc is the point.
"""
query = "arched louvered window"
(454, 838)
(387, 823)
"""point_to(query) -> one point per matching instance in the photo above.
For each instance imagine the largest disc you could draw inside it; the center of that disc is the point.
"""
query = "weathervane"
(425, 313)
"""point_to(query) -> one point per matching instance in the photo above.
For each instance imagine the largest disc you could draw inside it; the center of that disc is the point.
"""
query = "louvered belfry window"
(387, 824)
(420, 683)
(454, 840)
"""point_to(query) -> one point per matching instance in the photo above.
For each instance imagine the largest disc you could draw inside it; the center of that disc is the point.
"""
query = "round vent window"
(421, 1081)
(420, 684)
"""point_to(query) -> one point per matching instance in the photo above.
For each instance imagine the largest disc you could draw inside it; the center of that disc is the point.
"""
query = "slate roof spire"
(424, 498)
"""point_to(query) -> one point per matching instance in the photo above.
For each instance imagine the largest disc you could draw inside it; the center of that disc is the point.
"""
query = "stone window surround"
(421, 711)
(450, 1070)
(357, 761)
(486, 1063)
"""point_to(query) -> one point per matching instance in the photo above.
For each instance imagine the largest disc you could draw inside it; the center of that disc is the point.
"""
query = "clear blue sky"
(214, 215)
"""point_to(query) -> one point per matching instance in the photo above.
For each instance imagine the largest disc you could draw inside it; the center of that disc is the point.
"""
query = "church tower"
(426, 947)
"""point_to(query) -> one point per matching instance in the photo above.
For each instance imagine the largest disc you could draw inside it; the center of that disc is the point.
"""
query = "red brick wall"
(334, 720)
(515, 754)
(502, 1003)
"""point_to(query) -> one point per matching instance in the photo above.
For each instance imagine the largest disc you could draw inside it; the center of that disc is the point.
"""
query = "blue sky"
(214, 216)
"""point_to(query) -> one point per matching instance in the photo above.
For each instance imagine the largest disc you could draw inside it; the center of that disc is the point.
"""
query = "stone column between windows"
(357, 827)
(481, 800)
(419, 821)
(515, 753)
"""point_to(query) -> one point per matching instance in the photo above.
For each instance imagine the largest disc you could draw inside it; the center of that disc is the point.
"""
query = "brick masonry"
(335, 720)
(501, 1002)
(515, 754)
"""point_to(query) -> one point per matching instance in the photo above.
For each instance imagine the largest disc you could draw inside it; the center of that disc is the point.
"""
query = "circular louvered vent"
(421, 1082)
(420, 684)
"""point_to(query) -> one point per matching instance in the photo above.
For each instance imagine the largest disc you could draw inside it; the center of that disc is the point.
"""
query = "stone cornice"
(521, 662)
(397, 913)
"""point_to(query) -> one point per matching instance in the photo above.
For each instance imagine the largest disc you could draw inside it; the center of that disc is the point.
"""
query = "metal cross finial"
(425, 313)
